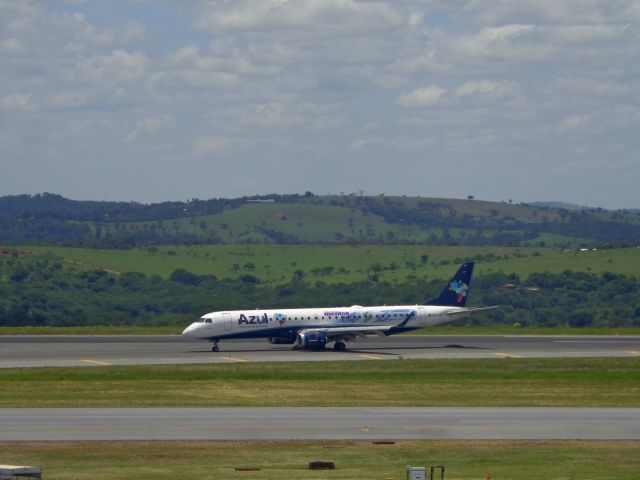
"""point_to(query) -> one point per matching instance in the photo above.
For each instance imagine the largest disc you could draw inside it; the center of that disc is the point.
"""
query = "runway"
(50, 351)
(63, 424)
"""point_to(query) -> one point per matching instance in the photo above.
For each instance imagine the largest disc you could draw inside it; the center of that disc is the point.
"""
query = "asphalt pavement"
(44, 351)
(77, 424)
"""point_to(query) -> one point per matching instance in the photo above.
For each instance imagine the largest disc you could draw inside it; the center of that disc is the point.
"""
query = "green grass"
(276, 263)
(307, 222)
(589, 382)
(464, 460)
(321, 220)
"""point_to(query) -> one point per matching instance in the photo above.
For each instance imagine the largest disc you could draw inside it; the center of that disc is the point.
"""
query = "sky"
(143, 100)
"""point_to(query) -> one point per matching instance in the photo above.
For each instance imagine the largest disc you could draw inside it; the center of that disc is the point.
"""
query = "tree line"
(39, 291)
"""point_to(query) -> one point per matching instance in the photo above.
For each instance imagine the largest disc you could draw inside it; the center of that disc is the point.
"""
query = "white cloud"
(118, 66)
(573, 122)
(554, 11)
(402, 144)
(18, 102)
(421, 97)
(328, 15)
(71, 99)
(150, 125)
(317, 85)
(212, 145)
(485, 87)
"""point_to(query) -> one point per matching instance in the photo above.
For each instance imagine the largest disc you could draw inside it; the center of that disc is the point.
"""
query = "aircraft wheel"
(339, 347)
(215, 348)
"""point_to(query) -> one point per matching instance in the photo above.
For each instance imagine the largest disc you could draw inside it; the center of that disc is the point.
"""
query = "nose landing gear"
(215, 347)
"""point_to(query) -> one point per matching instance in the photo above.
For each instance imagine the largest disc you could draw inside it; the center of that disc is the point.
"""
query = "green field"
(340, 263)
(464, 460)
(307, 223)
(327, 220)
(587, 382)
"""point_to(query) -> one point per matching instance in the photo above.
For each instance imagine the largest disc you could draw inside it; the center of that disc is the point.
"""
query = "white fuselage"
(286, 323)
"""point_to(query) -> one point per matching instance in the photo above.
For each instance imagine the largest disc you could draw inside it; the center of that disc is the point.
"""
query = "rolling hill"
(309, 219)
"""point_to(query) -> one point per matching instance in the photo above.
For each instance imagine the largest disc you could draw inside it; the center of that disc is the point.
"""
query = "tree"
(183, 276)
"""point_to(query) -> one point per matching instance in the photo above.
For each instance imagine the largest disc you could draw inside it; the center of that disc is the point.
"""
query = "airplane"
(313, 328)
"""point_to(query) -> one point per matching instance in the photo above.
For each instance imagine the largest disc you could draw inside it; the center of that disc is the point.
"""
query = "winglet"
(456, 293)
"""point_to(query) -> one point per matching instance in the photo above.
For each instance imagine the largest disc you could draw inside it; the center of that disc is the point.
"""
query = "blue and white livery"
(313, 328)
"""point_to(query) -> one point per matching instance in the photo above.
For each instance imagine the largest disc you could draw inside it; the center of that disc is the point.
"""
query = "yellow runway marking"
(97, 362)
(371, 357)
(635, 353)
(505, 355)
(235, 359)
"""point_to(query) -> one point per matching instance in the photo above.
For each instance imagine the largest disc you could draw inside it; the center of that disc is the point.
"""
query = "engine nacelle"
(311, 340)
(281, 340)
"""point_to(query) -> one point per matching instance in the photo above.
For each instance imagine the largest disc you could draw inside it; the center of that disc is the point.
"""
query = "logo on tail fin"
(460, 289)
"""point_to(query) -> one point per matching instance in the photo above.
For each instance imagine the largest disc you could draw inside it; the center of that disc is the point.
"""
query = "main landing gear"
(215, 347)
(339, 347)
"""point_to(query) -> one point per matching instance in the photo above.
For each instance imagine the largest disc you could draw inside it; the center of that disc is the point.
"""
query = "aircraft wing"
(353, 331)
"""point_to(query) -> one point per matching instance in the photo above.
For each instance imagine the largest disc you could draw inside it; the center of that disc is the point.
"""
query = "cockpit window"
(200, 320)
(208, 320)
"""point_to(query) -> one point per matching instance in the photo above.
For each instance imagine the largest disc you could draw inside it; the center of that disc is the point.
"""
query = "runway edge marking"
(505, 355)
(235, 359)
(98, 362)
(370, 357)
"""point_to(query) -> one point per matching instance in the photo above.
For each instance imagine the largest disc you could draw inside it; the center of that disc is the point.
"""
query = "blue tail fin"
(456, 293)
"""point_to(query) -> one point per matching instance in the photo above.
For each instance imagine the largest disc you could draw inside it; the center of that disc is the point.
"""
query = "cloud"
(18, 102)
(214, 145)
(119, 66)
(573, 122)
(332, 15)
(421, 97)
(402, 144)
(150, 125)
(485, 87)
(316, 86)
(553, 11)
(71, 99)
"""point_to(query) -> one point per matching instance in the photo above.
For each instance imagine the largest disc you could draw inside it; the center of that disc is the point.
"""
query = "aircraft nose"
(188, 332)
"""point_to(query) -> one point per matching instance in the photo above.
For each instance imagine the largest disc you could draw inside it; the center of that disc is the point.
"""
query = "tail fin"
(456, 293)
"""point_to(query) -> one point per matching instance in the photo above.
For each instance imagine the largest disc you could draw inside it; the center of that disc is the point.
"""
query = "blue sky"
(151, 100)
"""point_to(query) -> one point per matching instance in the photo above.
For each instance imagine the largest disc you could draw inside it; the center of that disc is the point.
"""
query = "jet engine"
(311, 340)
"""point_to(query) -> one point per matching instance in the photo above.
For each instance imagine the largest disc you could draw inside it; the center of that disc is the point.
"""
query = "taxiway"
(49, 351)
(77, 424)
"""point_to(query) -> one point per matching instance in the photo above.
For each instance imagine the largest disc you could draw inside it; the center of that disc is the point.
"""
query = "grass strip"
(464, 460)
(579, 382)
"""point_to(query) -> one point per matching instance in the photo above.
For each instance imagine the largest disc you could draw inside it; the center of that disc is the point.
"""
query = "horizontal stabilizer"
(469, 311)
